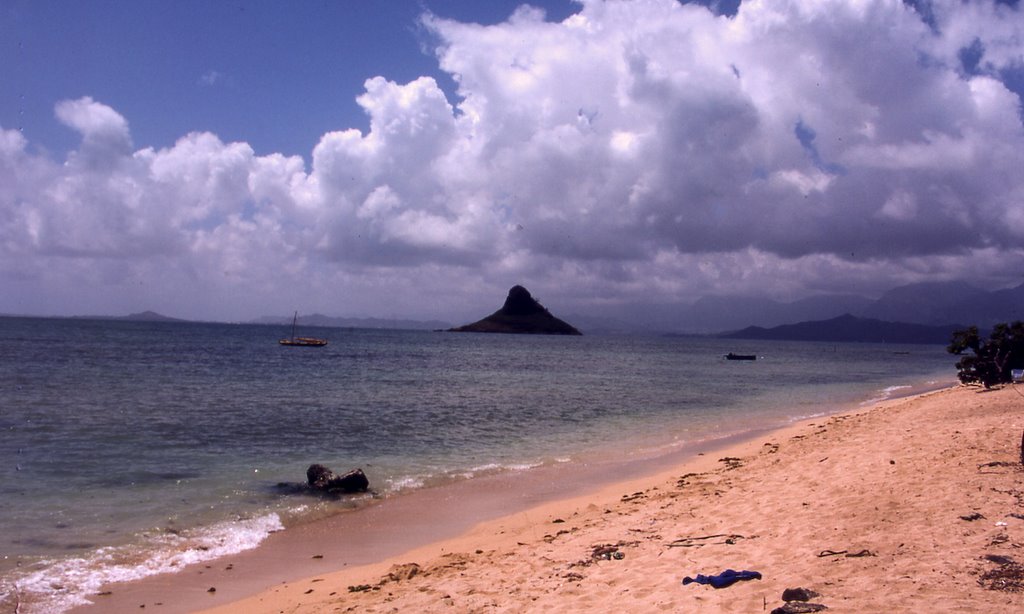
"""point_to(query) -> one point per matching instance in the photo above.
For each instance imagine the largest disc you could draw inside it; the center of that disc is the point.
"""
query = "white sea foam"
(885, 394)
(496, 467)
(405, 483)
(55, 586)
(802, 417)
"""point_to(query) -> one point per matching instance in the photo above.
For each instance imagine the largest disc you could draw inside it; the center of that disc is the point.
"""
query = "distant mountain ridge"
(850, 329)
(142, 316)
(931, 304)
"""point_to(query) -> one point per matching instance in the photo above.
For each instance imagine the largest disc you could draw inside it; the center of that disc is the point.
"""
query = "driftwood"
(846, 553)
(689, 542)
(799, 607)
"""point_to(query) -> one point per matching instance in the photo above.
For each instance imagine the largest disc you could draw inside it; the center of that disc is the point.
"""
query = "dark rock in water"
(799, 594)
(323, 479)
(521, 314)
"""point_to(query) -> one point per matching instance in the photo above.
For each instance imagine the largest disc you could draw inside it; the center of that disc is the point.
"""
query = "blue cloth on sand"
(724, 579)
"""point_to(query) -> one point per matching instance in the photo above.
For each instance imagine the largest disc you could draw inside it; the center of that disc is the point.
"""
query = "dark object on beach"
(725, 579)
(688, 542)
(1008, 577)
(323, 479)
(799, 594)
(972, 517)
(732, 356)
(521, 314)
(999, 559)
(846, 553)
(799, 607)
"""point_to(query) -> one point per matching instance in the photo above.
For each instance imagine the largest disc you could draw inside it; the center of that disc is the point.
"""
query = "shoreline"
(319, 553)
(892, 507)
(425, 518)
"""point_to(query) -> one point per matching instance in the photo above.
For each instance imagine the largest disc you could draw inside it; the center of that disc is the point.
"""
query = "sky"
(415, 159)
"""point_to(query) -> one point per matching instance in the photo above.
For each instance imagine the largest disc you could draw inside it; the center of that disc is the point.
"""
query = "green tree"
(993, 359)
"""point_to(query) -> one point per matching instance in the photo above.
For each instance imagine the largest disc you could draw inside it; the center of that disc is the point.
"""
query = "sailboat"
(312, 342)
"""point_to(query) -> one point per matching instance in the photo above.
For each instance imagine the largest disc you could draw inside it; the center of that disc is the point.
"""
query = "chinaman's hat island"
(521, 314)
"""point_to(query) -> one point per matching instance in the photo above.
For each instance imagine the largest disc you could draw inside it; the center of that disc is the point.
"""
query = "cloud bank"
(641, 149)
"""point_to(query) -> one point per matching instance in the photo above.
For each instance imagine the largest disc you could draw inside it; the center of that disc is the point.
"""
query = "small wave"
(802, 417)
(885, 394)
(59, 585)
(489, 468)
(405, 483)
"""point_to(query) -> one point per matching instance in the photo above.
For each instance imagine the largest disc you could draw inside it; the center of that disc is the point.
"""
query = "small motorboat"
(733, 356)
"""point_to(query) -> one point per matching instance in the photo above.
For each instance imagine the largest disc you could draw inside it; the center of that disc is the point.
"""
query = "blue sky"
(275, 74)
(226, 160)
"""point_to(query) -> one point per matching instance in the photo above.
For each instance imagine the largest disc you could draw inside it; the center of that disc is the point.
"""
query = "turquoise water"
(134, 448)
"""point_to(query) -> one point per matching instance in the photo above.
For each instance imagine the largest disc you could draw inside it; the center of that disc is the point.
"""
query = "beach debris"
(799, 594)
(999, 559)
(360, 588)
(997, 464)
(972, 517)
(798, 601)
(684, 480)
(731, 462)
(799, 607)
(401, 573)
(846, 553)
(212, 589)
(723, 580)
(550, 538)
(1000, 538)
(323, 479)
(860, 553)
(726, 538)
(1007, 577)
(607, 552)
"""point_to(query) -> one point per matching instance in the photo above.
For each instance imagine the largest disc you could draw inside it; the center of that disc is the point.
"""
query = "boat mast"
(295, 319)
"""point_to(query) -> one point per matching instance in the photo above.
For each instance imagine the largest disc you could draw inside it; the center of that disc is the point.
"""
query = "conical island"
(521, 314)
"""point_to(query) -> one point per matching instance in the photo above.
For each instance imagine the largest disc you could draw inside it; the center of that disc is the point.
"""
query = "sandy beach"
(911, 505)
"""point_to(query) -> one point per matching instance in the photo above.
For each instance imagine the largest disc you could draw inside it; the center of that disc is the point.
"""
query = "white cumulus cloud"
(638, 148)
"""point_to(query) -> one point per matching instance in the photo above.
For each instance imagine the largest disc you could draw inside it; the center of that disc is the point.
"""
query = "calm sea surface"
(128, 449)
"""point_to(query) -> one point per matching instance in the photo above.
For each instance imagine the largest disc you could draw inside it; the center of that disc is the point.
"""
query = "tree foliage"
(993, 359)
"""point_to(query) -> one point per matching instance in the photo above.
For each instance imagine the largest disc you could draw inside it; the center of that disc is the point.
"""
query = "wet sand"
(871, 509)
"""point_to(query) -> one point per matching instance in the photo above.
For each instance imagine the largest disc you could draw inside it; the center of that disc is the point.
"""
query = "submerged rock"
(323, 479)
(521, 314)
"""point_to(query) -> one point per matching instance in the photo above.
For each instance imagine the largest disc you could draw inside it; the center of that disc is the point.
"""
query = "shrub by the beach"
(994, 359)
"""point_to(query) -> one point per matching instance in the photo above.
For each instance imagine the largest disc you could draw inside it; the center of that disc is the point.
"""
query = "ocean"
(134, 448)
